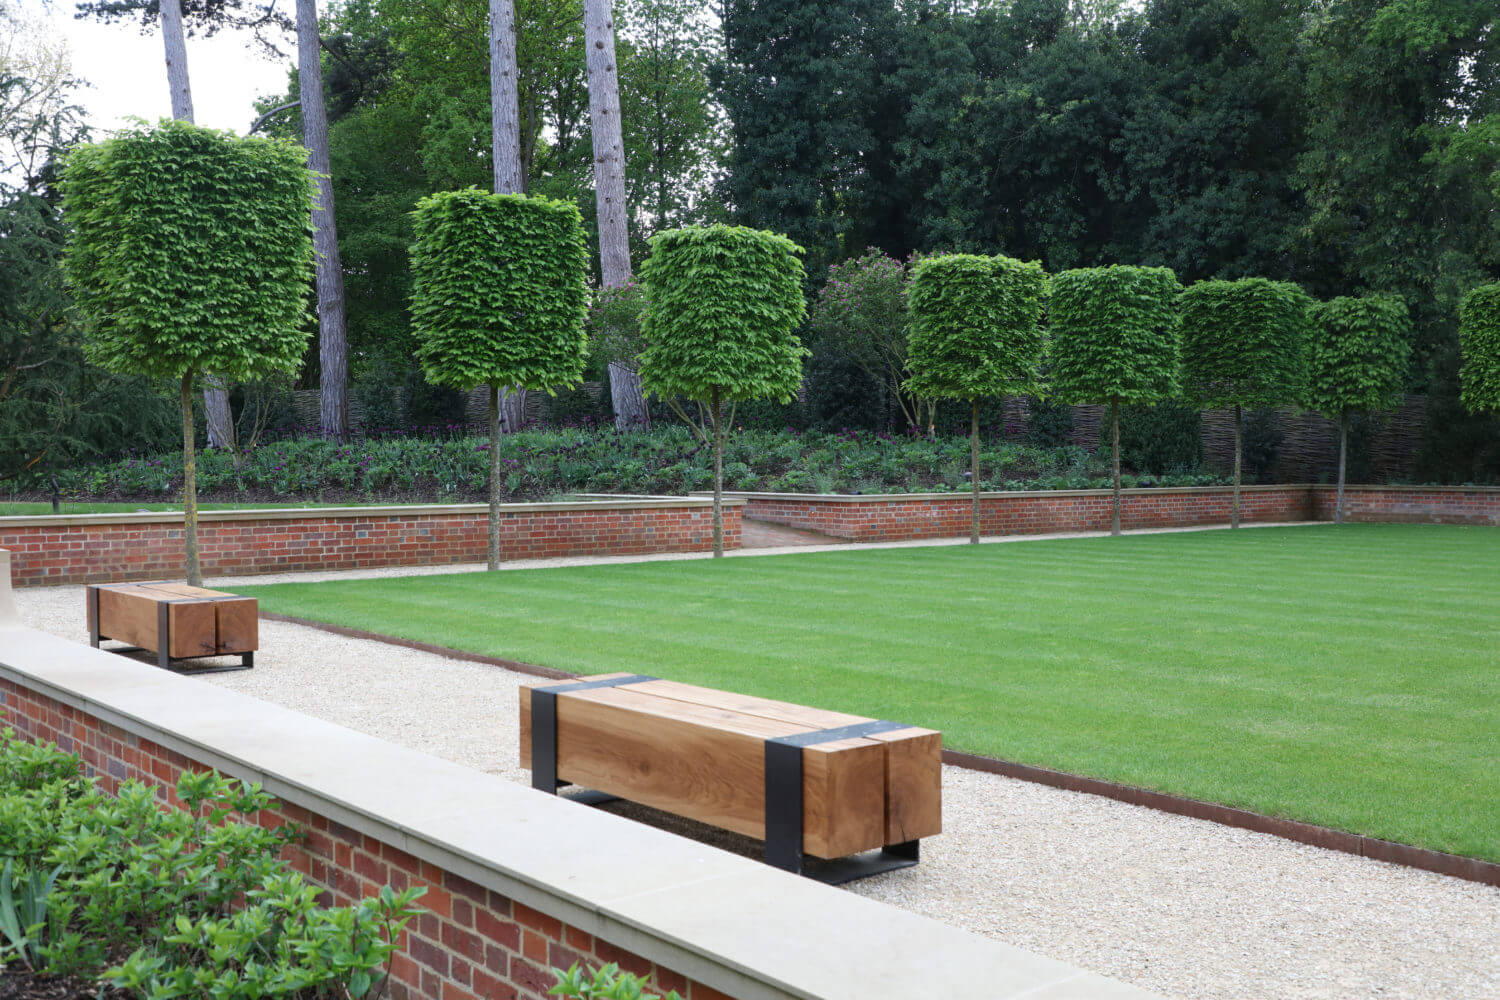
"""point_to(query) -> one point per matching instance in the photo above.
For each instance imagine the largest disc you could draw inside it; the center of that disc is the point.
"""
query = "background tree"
(190, 254)
(1114, 340)
(333, 337)
(1242, 346)
(724, 304)
(1357, 352)
(861, 315)
(499, 295)
(975, 334)
(1479, 328)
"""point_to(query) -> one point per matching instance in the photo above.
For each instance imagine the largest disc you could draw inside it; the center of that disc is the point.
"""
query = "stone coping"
(734, 924)
(965, 495)
(349, 513)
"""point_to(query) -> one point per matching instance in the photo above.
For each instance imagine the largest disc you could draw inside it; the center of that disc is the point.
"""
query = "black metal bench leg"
(164, 635)
(544, 741)
(247, 660)
(93, 615)
(784, 806)
(909, 850)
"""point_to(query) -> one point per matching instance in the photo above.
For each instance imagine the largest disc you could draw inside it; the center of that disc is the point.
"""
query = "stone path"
(756, 534)
(1187, 908)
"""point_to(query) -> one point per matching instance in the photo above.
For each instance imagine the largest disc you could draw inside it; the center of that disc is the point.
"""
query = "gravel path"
(1179, 906)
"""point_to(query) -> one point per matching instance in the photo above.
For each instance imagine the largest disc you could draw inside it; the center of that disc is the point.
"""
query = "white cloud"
(127, 76)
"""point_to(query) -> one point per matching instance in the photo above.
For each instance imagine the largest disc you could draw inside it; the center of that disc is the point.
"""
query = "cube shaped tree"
(975, 332)
(1356, 362)
(190, 255)
(1479, 340)
(1242, 345)
(499, 296)
(723, 306)
(1114, 340)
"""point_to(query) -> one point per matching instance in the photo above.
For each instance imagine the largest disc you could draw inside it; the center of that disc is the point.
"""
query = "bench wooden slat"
(700, 753)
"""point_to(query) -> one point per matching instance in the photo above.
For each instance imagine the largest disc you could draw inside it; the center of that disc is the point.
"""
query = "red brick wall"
(902, 519)
(471, 944)
(1427, 505)
(58, 553)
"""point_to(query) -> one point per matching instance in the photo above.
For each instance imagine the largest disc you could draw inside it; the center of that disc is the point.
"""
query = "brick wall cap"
(355, 513)
(965, 496)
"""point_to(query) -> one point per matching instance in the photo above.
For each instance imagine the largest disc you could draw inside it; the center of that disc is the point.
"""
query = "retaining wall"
(102, 548)
(1413, 504)
(518, 881)
(904, 517)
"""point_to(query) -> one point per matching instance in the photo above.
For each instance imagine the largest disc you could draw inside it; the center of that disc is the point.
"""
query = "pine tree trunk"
(718, 429)
(629, 401)
(333, 341)
(609, 187)
(505, 100)
(1234, 513)
(1114, 422)
(219, 417)
(494, 539)
(1338, 508)
(189, 485)
(974, 468)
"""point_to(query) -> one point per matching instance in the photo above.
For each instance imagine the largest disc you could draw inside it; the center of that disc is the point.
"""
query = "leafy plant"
(1357, 358)
(724, 304)
(190, 255)
(23, 912)
(498, 297)
(604, 983)
(1479, 335)
(1115, 341)
(975, 333)
(1243, 345)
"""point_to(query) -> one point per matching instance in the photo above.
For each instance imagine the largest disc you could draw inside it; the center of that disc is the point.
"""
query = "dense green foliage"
(190, 251)
(543, 464)
(724, 305)
(1114, 334)
(1479, 331)
(605, 983)
(1357, 354)
(974, 326)
(1243, 342)
(1348, 677)
(857, 325)
(165, 903)
(499, 290)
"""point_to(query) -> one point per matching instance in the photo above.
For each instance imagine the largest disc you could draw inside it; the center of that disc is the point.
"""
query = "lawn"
(1345, 676)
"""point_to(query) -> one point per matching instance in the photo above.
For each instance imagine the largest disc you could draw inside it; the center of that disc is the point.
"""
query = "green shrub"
(1167, 437)
(604, 983)
(197, 898)
(1479, 337)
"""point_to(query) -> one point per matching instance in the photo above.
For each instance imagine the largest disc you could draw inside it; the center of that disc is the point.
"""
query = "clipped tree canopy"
(975, 327)
(499, 290)
(1114, 334)
(723, 307)
(191, 251)
(1243, 342)
(1357, 354)
(1479, 337)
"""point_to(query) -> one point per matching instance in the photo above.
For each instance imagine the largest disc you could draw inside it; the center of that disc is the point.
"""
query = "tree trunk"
(494, 539)
(333, 342)
(1338, 507)
(974, 468)
(505, 100)
(1234, 513)
(189, 485)
(609, 188)
(631, 412)
(512, 410)
(219, 417)
(718, 429)
(1114, 421)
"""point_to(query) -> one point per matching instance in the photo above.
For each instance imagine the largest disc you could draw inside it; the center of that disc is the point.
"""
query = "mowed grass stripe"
(1345, 676)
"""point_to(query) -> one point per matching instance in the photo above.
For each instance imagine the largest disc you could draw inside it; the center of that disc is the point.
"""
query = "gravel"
(1179, 906)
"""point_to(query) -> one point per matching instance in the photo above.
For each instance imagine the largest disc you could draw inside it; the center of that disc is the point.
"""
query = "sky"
(128, 77)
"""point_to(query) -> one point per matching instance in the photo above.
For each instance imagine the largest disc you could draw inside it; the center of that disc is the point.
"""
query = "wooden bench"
(174, 621)
(806, 781)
